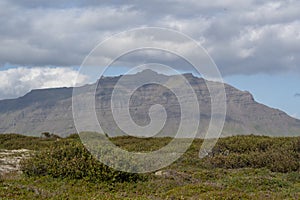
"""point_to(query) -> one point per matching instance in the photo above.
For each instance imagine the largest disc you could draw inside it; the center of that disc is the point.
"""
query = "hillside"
(51, 110)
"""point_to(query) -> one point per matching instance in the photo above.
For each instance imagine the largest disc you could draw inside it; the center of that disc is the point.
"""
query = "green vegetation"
(239, 167)
(15, 141)
(276, 154)
(71, 160)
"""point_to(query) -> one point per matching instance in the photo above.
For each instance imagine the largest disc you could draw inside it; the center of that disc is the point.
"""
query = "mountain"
(50, 110)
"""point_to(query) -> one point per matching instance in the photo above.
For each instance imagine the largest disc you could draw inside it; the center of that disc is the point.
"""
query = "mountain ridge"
(50, 110)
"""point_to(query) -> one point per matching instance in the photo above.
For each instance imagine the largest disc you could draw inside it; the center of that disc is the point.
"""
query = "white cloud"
(16, 82)
(296, 115)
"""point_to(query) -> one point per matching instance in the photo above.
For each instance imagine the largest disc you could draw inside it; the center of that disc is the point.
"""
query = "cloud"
(297, 116)
(243, 37)
(16, 82)
(297, 95)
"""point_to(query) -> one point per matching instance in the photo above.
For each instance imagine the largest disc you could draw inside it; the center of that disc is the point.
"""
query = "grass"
(253, 167)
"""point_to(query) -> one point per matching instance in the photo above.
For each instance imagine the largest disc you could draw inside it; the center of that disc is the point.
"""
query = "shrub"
(46, 134)
(282, 161)
(16, 141)
(276, 154)
(49, 135)
(296, 144)
(72, 160)
(245, 144)
(73, 136)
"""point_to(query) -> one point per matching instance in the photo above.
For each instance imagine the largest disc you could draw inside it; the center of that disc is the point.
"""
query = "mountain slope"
(51, 110)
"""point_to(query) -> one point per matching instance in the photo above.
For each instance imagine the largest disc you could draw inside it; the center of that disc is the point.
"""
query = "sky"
(255, 44)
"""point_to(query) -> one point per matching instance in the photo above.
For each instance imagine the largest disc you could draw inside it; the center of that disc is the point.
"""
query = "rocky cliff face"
(51, 110)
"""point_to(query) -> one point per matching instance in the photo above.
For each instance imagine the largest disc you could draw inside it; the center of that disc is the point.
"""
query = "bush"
(296, 145)
(276, 154)
(282, 161)
(72, 160)
(16, 141)
(74, 136)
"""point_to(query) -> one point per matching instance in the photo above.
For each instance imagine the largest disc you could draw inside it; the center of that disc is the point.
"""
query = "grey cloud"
(243, 37)
(297, 95)
(240, 44)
